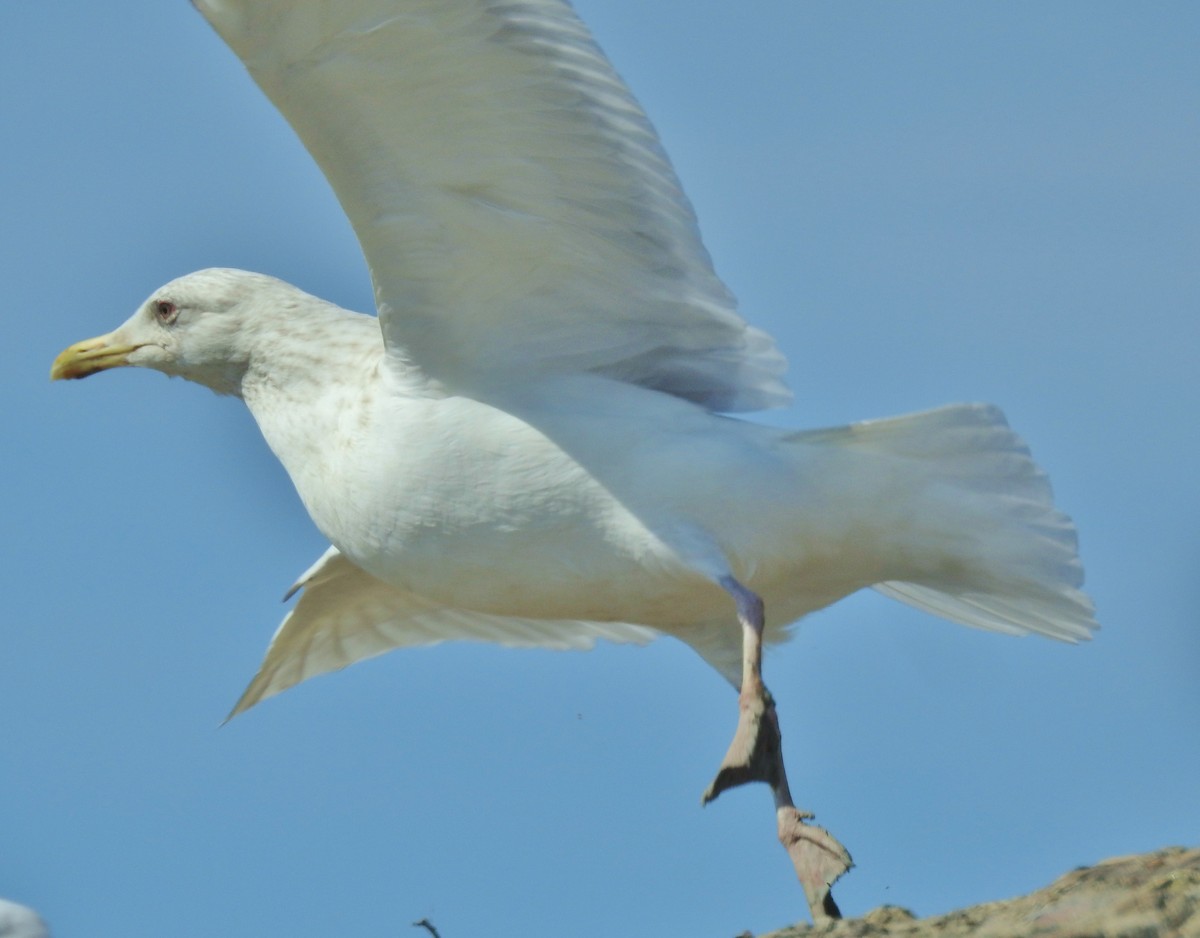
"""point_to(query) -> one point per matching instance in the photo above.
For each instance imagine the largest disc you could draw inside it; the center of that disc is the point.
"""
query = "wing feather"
(514, 204)
(345, 615)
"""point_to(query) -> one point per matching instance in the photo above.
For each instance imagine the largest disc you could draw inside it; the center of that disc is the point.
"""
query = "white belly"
(597, 510)
(470, 506)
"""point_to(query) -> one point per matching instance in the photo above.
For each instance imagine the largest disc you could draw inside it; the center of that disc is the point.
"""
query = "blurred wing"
(514, 204)
(345, 615)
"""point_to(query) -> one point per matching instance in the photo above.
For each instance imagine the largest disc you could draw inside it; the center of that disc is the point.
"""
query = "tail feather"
(999, 555)
(1067, 616)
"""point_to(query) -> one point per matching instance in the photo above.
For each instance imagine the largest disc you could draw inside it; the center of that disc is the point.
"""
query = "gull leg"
(756, 755)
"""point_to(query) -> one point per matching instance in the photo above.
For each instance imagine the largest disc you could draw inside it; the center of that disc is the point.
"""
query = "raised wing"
(345, 615)
(514, 204)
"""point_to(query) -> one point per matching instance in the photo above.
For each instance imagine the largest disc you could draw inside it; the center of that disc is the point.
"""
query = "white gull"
(529, 444)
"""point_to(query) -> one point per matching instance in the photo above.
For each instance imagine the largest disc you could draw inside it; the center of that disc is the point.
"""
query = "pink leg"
(756, 755)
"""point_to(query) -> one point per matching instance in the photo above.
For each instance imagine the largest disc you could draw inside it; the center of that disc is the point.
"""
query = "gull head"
(206, 327)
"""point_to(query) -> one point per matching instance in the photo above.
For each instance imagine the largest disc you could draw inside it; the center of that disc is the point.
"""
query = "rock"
(1152, 895)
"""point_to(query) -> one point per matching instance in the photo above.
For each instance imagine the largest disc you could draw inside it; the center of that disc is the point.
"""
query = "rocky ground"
(1152, 895)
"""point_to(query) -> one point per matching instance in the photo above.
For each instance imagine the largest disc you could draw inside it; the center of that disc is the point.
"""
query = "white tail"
(1010, 558)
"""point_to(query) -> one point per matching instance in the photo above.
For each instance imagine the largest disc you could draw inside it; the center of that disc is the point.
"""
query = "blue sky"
(923, 202)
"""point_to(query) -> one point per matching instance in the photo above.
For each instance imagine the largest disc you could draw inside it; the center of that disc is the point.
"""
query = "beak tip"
(60, 370)
(87, 357)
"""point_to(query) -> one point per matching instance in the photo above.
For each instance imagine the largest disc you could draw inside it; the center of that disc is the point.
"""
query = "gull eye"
(165, 311)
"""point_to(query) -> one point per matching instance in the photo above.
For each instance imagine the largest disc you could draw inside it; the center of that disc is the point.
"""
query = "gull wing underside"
(345, 615)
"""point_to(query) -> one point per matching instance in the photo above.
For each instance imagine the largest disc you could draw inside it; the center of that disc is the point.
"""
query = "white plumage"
(528, 455)
(496, 168)
(527, 446)
(19, 921)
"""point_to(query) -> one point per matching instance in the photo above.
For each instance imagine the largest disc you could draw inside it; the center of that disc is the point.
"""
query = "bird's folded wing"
(345, 615)
(514, 204)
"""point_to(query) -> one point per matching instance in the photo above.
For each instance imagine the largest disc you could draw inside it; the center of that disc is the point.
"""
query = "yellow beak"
(87, 357)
